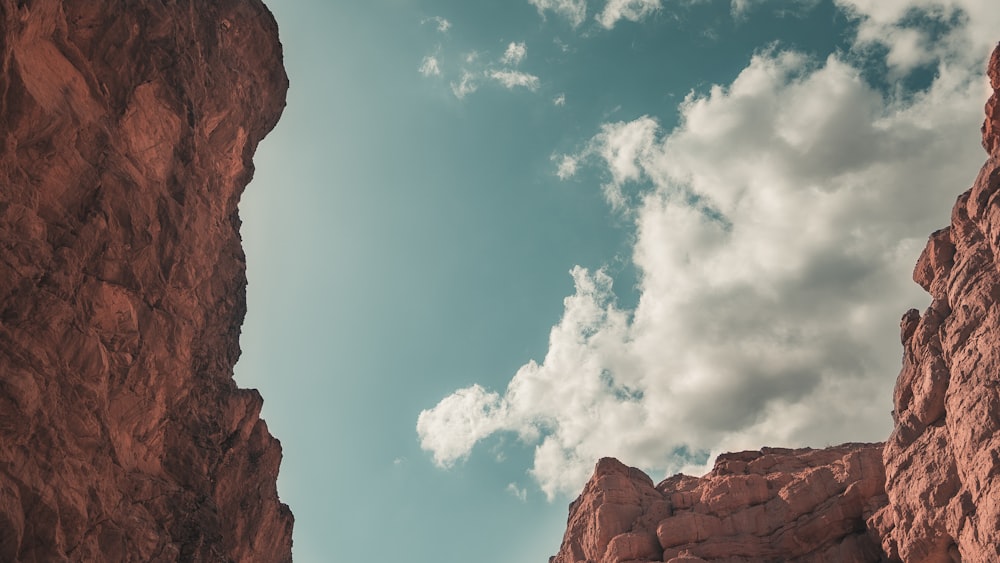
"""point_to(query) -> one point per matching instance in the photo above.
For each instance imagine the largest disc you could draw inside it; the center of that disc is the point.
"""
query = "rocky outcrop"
(772, 505)
(126, 136)
(931, 494)
(943, 457)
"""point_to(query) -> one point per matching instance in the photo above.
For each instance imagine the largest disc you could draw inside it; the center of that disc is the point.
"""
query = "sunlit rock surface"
(772, 505)
(943, 457)
(126, 136)
(931, 494)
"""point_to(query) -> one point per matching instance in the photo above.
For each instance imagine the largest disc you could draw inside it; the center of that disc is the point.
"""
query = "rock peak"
(991, 126)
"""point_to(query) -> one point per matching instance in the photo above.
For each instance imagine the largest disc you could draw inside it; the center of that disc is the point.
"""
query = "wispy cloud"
(440, 23)
(573, 10)
(740, 8)
(465, 85)
(429, 67)
(559, 100)
(632, 10)
(775, 230)
(567, 166)
(515, 53)
(520, 493)
(511, 79)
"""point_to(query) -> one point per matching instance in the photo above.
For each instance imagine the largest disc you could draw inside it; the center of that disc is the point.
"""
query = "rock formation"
(943, 458)
(772, 505)
(930, 494)
(127, 131)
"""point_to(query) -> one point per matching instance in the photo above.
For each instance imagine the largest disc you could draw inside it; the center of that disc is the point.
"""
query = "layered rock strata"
(126, 136)
(931, 494)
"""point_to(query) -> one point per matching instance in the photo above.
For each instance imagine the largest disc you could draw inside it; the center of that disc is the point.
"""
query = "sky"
(492, 241)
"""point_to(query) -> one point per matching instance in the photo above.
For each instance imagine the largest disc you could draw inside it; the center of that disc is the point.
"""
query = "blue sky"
(492, 241)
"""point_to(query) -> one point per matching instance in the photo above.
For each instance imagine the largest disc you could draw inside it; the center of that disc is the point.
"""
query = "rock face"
(931, 494)
(943, 457)
(126, 136)
(772, 505)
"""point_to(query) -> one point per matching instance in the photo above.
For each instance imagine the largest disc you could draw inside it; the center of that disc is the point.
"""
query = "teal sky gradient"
(403, 243)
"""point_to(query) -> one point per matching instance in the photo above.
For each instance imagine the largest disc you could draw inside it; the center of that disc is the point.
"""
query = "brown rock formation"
(930, 495)
(772, 505)
(126, 136)
(943, 457)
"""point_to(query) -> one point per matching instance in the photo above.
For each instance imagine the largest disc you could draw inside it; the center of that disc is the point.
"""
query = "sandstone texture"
(772, 505)
(943, 458)
(127, 131)
(930, 494)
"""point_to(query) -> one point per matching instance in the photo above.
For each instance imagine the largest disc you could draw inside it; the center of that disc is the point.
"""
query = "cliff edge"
(127, 131)
(930, 494)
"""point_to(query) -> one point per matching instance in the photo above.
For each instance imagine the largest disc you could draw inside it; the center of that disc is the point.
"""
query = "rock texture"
(931, 494)
(126, 136)
(943, 458)
(772, 505)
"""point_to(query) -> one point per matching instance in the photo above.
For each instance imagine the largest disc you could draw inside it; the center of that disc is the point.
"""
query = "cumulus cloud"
(632, 10)
(559, 100)
(430, 67)
(514, 54)
(919, 32)
(573, 10)
(511, 79)
(775, 231)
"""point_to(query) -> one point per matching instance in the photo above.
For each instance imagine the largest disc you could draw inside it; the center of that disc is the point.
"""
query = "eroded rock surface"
(772, 505)
(943, 458)
(126, 136)
(930, 495)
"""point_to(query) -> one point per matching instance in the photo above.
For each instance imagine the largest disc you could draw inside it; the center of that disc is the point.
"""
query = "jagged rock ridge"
(930, 494)
(127, 131)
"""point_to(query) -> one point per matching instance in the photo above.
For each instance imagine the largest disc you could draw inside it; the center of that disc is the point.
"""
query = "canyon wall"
(930, 494)
(127, 131)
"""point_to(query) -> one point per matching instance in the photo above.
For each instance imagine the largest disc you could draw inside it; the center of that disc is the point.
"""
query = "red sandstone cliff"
(930, 494)
(126, 136)
(943, 458)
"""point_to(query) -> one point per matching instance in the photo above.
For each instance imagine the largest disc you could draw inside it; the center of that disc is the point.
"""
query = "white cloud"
(567, 167)
(559, 100)
(573, 10)
(511, 79)
(520, 493)
(632, 10)
(458, 422)
(776, 229)
(429, 67)
(970, 29)
(442, 24)
(465, 86)
(514, 54)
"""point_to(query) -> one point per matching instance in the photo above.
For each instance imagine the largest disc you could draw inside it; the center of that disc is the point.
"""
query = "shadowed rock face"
(931, 494)
(126, 136)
